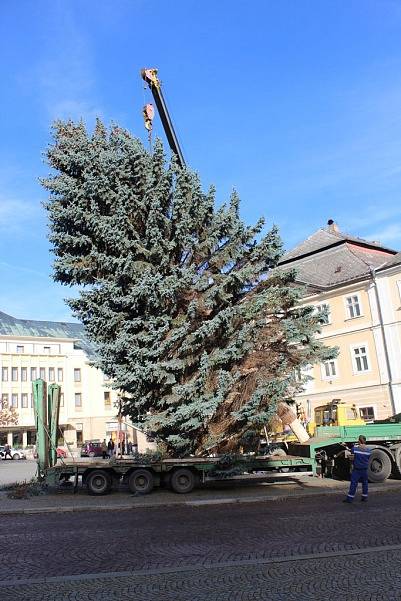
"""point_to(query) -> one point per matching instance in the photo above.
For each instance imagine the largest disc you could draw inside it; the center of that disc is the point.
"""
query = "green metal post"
(39, 388)
(53, 410)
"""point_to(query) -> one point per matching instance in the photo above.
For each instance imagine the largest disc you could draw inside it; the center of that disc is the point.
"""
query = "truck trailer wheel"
(141, 481)
(379, 466)
(182, 480)
(98, 483)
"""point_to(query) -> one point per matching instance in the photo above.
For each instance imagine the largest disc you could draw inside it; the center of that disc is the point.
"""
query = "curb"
(194, 503)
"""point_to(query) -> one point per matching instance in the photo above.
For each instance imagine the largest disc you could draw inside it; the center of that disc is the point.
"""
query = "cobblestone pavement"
(310, 549)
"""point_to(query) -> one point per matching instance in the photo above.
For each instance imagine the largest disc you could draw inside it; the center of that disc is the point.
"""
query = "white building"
(56, 352)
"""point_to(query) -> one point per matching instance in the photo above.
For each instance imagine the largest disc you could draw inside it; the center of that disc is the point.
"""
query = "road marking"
(197, 567)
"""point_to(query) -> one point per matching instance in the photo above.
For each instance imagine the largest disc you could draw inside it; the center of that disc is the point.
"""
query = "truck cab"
(335, 413)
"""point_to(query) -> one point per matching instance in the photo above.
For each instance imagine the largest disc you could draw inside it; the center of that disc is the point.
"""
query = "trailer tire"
(379, 466)
(141, 481)
(183, 480)
(98, 482)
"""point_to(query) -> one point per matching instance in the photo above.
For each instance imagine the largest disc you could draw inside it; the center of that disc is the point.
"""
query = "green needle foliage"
(179, 297)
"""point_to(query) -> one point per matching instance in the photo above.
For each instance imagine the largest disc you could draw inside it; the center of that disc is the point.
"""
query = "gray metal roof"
(11, 326)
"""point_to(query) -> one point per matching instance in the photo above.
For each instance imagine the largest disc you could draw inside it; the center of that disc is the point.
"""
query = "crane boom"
(150, 77)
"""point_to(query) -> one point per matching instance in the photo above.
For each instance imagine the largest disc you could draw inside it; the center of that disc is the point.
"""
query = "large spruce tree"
(182, 300)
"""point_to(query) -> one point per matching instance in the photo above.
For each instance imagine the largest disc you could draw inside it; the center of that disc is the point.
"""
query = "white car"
(15, 453)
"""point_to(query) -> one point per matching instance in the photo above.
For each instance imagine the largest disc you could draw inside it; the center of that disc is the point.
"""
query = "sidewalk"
(222, 493)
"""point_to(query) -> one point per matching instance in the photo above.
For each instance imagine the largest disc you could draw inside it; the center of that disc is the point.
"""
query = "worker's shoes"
(347, 501)
(364, 499)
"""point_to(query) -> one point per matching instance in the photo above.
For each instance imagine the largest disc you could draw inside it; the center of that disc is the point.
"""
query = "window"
(31, 437)
(107, 399)
(353, 306)
(77, 375)
(78, 399)
(20, 349)
(46, 350)
(4, 401)
(360, 358)
(14, 374)
(351, 413)
(323, 311)
(42, 373)
(14, 400)
(24, 374)
(60, 374)
(298, 374)
(367, 413)
(329, 369)
(24, 400)
(33, 374)
(4, 374)
(31, 400)
(62, 399)
(51, 374)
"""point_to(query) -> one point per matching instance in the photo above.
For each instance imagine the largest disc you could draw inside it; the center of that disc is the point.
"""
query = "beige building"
(57, 352)
(356, 285)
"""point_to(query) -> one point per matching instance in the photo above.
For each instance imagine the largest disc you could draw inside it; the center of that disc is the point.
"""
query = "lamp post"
(119, 420)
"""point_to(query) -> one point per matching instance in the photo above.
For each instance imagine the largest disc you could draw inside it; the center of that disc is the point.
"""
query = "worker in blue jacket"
(360, 456)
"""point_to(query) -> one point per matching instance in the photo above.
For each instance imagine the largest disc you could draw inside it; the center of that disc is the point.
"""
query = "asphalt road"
(16, 471)
(297, 550)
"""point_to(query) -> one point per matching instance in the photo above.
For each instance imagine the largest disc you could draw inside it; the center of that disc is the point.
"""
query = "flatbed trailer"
(143, 473)
(322, 453)
(182, 475)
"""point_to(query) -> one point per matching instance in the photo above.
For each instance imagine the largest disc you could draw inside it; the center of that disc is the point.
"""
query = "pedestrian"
(7, 451)
(360, 456)
(104, 449)
(110, 447)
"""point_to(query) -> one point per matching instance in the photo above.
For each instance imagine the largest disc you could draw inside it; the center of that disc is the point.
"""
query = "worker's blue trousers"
(356, 477)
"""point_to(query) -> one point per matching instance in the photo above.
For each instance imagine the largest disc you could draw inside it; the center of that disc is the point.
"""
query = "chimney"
(332, 227)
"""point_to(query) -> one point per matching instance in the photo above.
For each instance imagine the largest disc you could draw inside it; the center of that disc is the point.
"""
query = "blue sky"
(295, 103)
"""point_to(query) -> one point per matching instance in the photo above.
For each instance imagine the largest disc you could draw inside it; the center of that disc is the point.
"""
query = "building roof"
(326, 238)
(330, 258)
(11, 326)
(395, 260)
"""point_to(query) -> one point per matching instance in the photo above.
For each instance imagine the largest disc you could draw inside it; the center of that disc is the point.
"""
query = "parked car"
(91, 448)
(61, 453)
(15, 453)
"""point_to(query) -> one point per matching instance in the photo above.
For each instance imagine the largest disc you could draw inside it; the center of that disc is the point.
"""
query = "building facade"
(56, 352)
(355, 285)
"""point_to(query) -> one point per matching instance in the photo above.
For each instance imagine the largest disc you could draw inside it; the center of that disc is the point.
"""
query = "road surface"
(297, 550)
(17, 471)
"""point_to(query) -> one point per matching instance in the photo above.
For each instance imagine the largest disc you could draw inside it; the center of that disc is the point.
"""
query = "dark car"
(91, 448)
